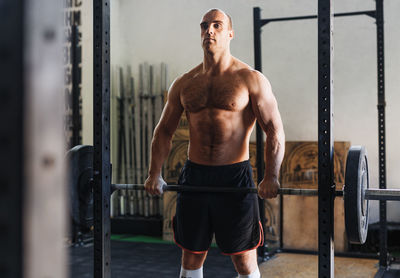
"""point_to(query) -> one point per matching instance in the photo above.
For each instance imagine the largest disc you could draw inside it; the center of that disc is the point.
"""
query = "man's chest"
(222, 93)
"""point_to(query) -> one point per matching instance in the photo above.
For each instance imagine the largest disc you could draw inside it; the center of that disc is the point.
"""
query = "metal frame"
(31, 74)
(325, 135)
(44, 195)
(383, 250)
(262, 249)
(268, 20)
(326, 183)
(76, 57)
(11, 135)
(101, 135)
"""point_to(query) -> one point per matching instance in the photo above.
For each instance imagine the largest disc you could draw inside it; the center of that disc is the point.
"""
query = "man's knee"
(243, 266)
(193, 261)
(245, 263)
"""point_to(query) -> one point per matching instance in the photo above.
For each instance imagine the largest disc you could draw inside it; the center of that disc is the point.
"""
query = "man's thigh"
(236, 223)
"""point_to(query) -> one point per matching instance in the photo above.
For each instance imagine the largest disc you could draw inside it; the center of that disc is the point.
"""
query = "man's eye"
(216, 25)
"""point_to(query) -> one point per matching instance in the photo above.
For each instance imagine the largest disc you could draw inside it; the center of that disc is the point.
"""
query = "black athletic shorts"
(232, 217)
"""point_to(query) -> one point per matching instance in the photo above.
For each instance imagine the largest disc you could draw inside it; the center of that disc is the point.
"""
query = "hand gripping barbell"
(356, 192)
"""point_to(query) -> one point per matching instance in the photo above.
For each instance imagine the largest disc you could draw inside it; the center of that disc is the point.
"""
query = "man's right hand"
(154, 185)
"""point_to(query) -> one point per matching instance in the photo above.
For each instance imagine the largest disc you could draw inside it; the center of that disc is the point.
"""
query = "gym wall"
(168, 31)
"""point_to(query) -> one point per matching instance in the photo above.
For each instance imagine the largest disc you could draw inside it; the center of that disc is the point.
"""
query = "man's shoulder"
(181, 81)
(246, 71)
(254, 79)
(190, 74)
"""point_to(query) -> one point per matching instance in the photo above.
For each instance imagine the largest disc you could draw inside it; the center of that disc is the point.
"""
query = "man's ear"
(231, 33)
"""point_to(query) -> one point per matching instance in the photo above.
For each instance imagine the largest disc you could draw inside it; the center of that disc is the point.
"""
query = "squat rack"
(101, 131)
(325, 130)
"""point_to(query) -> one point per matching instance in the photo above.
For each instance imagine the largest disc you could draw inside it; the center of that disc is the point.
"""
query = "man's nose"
(210, 30)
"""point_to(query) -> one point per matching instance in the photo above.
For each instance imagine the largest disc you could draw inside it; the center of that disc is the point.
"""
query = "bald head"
(216, 31)
(228, 17)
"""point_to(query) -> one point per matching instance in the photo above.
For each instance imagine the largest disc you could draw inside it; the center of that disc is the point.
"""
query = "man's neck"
(217, 63)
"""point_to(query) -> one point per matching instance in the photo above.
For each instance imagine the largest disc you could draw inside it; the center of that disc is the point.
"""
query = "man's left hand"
(268, 188)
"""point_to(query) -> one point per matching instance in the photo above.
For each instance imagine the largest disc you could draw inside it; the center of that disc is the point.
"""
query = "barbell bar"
(217, 189)
(370, 194)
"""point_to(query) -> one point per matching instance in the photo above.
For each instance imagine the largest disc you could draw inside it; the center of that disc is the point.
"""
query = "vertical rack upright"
(101, 135)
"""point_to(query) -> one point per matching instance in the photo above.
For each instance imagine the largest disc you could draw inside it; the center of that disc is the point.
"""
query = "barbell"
(370, 194)
(356, 192)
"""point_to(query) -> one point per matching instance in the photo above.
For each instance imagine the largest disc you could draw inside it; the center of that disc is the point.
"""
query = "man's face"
(215, 31)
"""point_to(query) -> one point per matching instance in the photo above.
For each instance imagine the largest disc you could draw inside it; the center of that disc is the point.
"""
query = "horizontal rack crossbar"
(370, 13)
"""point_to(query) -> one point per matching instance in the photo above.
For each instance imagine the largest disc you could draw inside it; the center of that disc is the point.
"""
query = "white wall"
(168, 31)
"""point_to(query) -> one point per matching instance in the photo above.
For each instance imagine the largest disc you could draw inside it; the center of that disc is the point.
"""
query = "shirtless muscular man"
(222, 98)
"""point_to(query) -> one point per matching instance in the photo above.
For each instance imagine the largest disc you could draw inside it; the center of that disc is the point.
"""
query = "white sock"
(197, 273)
(255, 274)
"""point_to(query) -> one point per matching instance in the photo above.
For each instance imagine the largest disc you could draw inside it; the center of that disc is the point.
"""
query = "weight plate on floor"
(80, 161)
(355, 205)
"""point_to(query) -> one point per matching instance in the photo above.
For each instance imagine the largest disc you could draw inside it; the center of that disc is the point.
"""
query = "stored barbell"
(356, 192)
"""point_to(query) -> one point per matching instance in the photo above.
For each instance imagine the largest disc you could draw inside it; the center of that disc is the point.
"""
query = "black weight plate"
(80, 160)
(355, 205)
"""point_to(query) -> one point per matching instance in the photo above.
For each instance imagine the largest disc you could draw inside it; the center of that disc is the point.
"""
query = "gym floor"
(148, 257)
(128, 259)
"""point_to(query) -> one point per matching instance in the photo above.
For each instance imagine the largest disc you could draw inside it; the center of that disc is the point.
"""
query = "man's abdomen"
(218, 139)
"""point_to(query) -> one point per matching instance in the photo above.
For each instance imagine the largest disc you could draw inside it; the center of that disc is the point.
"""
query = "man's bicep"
(265, 106)
(172, 111)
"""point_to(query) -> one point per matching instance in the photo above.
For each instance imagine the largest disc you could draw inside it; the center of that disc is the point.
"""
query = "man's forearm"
(160, 148)
(274, 152)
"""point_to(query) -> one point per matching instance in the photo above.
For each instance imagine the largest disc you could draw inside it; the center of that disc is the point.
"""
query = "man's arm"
(265, 109)
(161, 142)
